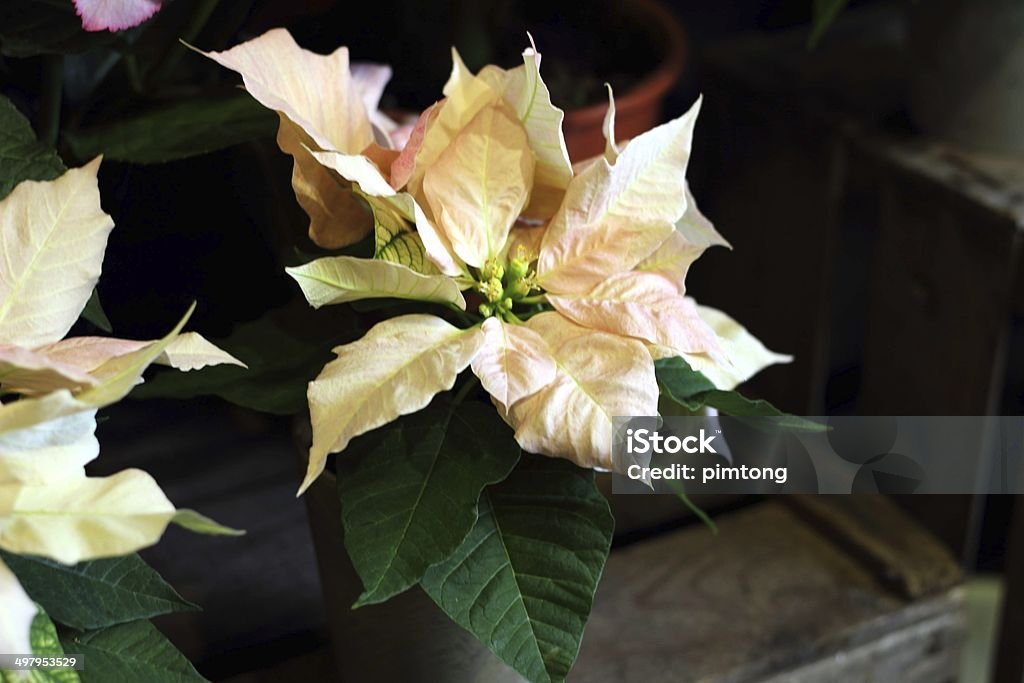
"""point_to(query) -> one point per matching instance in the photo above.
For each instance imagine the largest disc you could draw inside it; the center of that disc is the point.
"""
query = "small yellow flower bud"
(518, 269)
(505, 304)
(493, 290)
(519, 289)
(486, 310)
(492, 269)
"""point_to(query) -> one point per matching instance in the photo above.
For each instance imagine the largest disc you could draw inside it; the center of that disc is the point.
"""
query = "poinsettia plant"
(67, 539)
(560, 289)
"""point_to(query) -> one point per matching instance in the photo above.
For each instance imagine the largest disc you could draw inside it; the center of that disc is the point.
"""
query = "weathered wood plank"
(924, 652)
(943, 279)
(768, 600)
(766, 597)
(874, 531)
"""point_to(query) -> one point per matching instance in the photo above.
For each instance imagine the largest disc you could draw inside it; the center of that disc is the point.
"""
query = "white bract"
(52, 237)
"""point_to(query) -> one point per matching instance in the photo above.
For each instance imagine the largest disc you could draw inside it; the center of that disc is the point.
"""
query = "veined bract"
(52, 236)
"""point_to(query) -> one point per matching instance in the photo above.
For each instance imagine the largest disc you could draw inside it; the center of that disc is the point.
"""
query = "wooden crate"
(782, 593)
(860, 247)
(805, 592)
(950, 229)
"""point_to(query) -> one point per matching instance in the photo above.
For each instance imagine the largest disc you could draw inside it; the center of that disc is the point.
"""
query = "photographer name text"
(646, 441)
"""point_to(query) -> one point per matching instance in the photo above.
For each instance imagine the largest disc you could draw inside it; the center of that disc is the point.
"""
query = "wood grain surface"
(768, 598)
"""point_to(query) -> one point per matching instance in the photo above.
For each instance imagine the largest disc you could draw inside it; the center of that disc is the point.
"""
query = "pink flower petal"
(114, 15)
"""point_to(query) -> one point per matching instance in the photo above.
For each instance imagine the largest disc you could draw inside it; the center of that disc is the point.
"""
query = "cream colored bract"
(53, 236)
(575, 281)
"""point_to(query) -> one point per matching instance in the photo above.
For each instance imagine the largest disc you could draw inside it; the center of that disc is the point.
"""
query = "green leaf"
(434, 463)
(176, 131)
(284, 349)
(97, 593)
(396, 241)
(692, 390)
(94, 313)
(22, 157)
(735, 404)
(201, 524)
(130, 653)
(38, 27)
(825, 13)
(523, 581)
(678, 381)
(43, 636)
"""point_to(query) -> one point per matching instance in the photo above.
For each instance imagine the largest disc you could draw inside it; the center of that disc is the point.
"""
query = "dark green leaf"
(678, 381)
(523, 581)
(284, 350)
(94, 313)
(735, 404)
(37, 27)
(43, 636)
(177, 131)
(21, 156)
(130, 653)
(693, 391)
(97, 593)
(433, 465)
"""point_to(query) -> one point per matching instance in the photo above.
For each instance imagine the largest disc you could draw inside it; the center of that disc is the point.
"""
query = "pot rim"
(652, 14)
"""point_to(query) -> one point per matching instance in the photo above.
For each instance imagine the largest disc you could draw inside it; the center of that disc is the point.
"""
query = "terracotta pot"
(638, 109)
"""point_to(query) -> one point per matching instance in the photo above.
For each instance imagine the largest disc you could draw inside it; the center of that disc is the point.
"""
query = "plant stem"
(48, 124)
(464, 391)
(700, 514)
(460, 314)
(535, 299)
(175, 51)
